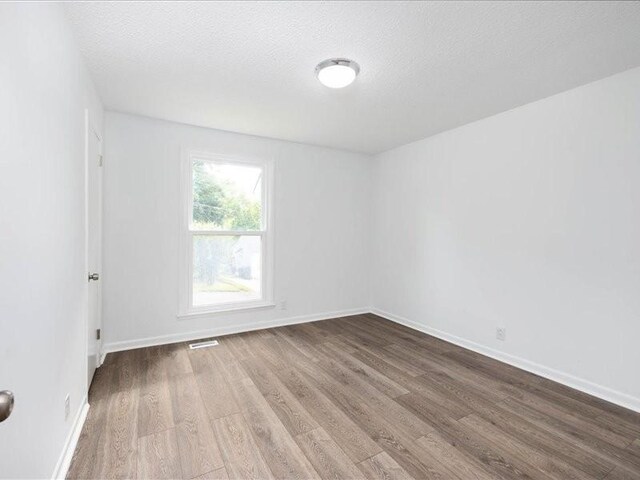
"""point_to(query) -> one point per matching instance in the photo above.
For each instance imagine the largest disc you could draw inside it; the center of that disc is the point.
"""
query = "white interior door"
(94, 247)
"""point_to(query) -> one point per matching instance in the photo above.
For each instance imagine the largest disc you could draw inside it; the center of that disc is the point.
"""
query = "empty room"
(383, 240)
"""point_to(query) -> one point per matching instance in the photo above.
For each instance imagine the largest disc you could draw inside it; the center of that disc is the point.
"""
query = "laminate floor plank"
(242, 458)
(155, 412)
(176, 359)
(221, 353)
(546, 466)
(576, 404)
(326, 456)
(562, 397)
(288, 409)
(383, 467)
(463, 466)
(129, 370)
(302, 334)
(416, 460)
(238, 346)
(388, 356)
(370, 375)
(516, 423)
(620, 474)
(438, 364)
(447, 403)
(356, 444)
(634, 447)
(365, 335)
(528, 428)
(278, 448)
(214, 389)
(423, 360)
(408, 381)
(158, 456)
(465, 439)
(577, 426)
(316, 334)
(398, 442)
(410, 339)
(345, 398)
(558, 395)
(198, 448)
(453, 393)
(337, 379)
(220, 474)
(119, 442)
(592, 446)
(216, 394)
(301, 347)
(201, 359)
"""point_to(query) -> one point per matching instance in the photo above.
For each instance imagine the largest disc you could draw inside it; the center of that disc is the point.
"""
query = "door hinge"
(98, 334)
(100, 160)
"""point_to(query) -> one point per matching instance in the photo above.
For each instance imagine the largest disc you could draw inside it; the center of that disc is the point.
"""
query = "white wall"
(528, 220)
(321, 230)
(44, 90)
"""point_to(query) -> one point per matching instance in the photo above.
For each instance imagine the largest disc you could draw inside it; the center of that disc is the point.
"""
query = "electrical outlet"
(282, 305)
(501, 333)
(67, 406)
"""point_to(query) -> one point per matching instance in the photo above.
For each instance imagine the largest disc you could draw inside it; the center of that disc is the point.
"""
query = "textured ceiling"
(426, 67)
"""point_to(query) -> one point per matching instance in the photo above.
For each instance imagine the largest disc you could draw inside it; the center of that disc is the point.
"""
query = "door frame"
(90, 129)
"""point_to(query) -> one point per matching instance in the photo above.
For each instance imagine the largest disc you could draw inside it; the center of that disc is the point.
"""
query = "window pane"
(226, 269)
(226, 197)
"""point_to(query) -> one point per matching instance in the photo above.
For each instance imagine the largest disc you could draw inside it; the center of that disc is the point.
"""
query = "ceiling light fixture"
(337, 72)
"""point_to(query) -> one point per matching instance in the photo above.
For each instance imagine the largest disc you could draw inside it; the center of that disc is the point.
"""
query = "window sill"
(226, 309)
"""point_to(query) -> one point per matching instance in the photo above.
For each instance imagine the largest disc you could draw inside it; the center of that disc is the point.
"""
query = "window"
(226, 234)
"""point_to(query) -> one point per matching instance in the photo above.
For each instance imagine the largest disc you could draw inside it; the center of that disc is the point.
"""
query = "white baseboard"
(227, 330)
(62, 467)
(600, 391)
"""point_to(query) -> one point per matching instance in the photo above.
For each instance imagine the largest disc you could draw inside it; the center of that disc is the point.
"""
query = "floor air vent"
(205, 344)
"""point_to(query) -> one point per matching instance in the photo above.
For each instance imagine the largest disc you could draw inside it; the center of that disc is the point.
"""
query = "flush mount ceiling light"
(337, 72)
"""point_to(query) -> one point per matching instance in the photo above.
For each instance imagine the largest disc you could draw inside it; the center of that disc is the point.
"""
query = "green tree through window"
(217, 203)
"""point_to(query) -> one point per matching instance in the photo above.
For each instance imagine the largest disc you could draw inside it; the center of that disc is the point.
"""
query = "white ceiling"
(425, 67)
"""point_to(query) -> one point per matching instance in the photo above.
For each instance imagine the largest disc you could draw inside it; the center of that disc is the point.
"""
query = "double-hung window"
(227, 260)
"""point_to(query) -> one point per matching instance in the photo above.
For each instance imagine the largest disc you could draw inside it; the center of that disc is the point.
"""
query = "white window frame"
(187, 232)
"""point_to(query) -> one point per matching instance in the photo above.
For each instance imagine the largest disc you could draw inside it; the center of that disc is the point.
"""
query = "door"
(94, 247)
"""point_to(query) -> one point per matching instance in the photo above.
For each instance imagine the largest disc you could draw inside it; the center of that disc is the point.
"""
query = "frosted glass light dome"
(337, 72)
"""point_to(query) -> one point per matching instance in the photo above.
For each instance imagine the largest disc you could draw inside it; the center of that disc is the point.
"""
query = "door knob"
(94, 276)
(6, 404)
